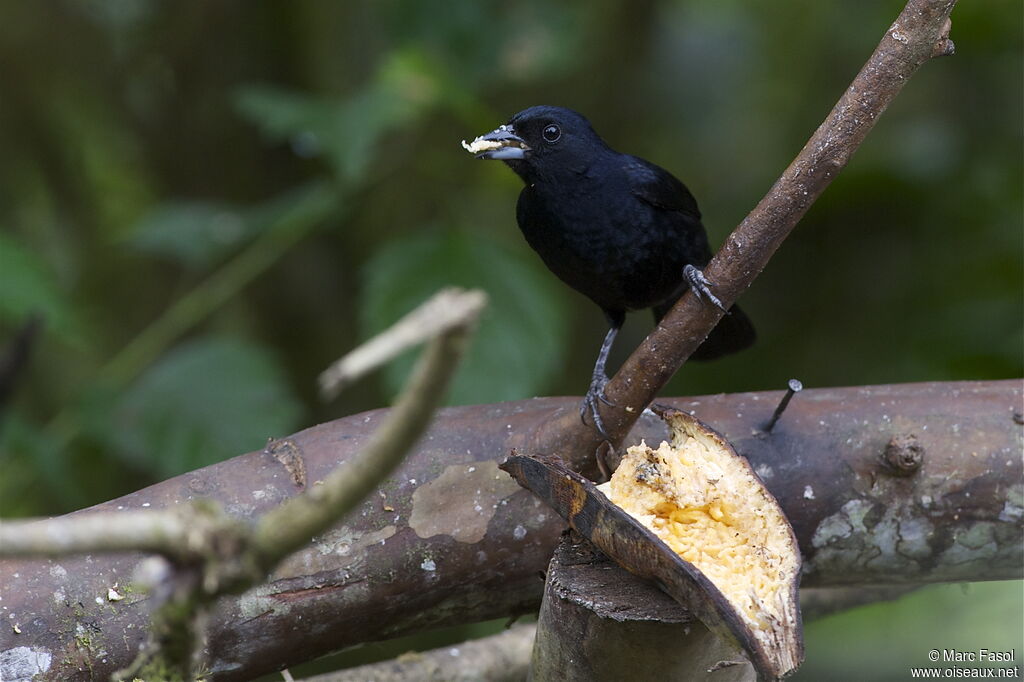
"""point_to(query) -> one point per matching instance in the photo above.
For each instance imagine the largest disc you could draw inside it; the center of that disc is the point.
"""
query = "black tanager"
(618, 229)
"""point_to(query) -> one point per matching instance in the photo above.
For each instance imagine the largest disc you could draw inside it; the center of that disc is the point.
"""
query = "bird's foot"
(589, 405)
(701, 286)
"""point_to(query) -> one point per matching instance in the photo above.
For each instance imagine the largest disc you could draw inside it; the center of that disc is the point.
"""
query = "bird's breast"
(601, 241)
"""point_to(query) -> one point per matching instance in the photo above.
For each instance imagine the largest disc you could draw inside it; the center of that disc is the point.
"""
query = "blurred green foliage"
(880, 642)
(519, 341)
(286, 178)
(204, 396)
(208, 202)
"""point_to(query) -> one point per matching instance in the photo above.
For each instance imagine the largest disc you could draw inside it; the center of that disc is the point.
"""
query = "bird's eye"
(551, 133)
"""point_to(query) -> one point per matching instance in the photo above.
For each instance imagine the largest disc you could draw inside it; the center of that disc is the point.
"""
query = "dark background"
(208, 202)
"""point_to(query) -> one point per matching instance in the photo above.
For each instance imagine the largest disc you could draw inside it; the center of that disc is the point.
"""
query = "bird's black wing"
(673, 214)
(659, 188)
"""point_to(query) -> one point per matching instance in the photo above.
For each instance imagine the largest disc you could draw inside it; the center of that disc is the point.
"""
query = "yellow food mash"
(704, 502)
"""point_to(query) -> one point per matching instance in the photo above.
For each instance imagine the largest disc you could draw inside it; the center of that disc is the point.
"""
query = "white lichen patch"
(260, 601)
(337, 548)
(977, 537)
(975, 546)
(893, 541)
(22, 663)
(914, 533)
(1013, 507)
(345, 541)
(1011, 513)
(847, 521)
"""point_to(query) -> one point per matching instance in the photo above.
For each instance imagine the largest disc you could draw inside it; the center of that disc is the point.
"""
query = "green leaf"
(194, 233)
(30, 287)
(522, 334)
(205, 401)
(286, 116)
(345, 131)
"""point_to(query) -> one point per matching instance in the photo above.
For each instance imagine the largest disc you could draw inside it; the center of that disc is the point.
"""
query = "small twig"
(722, 665)
(162, 532)
(497, 658)
(447, 308)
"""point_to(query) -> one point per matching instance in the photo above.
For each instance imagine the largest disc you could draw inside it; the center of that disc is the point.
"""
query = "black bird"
(620, 230)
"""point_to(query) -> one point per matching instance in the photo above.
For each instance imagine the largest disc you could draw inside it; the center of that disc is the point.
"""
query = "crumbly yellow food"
(478, 145)
(705, 503)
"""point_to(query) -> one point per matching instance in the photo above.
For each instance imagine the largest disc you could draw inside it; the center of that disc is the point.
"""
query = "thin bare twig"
(163, 532)
(447, 308)
(504, 657)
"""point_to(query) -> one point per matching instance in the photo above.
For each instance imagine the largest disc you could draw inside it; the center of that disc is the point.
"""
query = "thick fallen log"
(884, 485)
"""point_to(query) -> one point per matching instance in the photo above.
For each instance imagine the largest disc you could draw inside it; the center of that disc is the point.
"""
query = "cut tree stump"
(599, 622)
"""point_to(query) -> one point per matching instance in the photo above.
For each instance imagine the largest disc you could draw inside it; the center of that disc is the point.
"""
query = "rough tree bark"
(600, 623)
(451, 539)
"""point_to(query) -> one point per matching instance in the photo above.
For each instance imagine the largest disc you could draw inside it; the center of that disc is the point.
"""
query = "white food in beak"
(478, 145)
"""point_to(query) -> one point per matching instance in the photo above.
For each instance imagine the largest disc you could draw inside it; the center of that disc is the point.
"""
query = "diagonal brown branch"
(919, 33)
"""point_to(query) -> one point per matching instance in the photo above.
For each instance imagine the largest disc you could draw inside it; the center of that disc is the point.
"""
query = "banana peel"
(692, 516)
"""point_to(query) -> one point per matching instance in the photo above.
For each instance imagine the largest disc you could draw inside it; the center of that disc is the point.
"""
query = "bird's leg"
(597, 384)
(701, 286)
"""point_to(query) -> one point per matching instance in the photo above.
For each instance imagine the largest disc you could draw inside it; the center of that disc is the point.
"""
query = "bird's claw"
(701, 286)
(594, 394)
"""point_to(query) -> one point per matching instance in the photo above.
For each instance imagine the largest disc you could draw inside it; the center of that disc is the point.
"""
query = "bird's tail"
(733, 333)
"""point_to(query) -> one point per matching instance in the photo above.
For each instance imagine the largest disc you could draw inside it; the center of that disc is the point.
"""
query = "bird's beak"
(501, 143)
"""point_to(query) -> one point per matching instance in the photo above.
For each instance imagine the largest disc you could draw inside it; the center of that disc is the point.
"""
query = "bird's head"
(540, 137)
